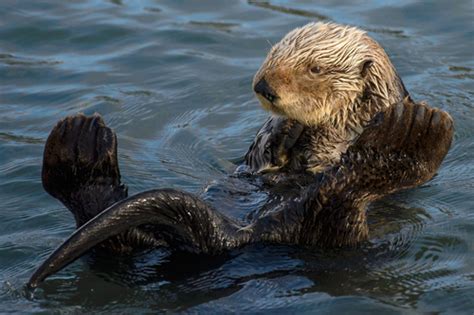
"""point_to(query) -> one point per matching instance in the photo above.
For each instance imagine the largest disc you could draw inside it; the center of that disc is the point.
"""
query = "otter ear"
(364, 69)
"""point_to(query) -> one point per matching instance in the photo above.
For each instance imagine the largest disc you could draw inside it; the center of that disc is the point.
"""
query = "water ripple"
(173, 79)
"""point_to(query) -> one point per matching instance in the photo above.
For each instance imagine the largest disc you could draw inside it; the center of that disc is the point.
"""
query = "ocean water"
(173, 78)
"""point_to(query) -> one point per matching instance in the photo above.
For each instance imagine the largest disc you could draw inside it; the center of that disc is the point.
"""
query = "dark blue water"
(173, 79)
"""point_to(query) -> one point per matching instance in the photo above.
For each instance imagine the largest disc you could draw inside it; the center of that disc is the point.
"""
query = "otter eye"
(315, 70)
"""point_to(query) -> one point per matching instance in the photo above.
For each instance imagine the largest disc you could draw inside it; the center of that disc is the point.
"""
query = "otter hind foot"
(416, 130)
(80, 166)
(404, 146)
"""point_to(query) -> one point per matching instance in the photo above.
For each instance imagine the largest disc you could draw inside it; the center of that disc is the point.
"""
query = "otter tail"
(181, 219)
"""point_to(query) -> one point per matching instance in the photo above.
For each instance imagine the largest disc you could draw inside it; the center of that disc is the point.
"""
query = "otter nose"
(265, 90)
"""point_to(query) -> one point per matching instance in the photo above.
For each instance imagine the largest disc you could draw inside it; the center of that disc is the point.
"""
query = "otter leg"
(402, 148)
(80, 166)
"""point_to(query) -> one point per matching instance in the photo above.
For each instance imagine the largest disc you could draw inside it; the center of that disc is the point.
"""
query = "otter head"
(323, 71)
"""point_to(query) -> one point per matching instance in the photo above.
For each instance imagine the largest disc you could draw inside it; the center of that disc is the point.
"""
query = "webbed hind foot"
(80, 166)
(402, 147)
(413, 135)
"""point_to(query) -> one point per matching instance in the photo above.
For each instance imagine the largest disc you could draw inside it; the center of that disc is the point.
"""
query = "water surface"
(173, 79)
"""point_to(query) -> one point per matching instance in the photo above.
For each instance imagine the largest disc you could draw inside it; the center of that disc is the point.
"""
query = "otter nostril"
(265, 90)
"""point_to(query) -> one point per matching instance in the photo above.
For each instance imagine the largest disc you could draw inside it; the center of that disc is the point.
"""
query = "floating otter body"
(343, 126)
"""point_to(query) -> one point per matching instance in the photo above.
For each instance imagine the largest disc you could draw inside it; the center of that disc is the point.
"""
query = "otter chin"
(340, 110)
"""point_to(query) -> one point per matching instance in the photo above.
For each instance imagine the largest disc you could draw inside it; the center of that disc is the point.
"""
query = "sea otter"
(342, 122)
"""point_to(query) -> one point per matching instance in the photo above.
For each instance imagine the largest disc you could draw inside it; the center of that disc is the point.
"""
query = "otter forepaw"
(81, 151)
(271, 147)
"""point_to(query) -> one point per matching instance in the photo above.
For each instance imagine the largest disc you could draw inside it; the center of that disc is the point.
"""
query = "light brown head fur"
(328, 73)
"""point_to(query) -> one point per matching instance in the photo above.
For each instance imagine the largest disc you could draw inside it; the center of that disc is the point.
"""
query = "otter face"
(316, 72)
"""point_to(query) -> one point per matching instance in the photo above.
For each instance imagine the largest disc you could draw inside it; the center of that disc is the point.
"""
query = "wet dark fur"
(401, 147)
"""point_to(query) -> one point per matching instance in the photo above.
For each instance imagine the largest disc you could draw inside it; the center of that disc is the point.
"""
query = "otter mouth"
(267, 97)
(270, 106)
(262, 88)
(270, 97)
